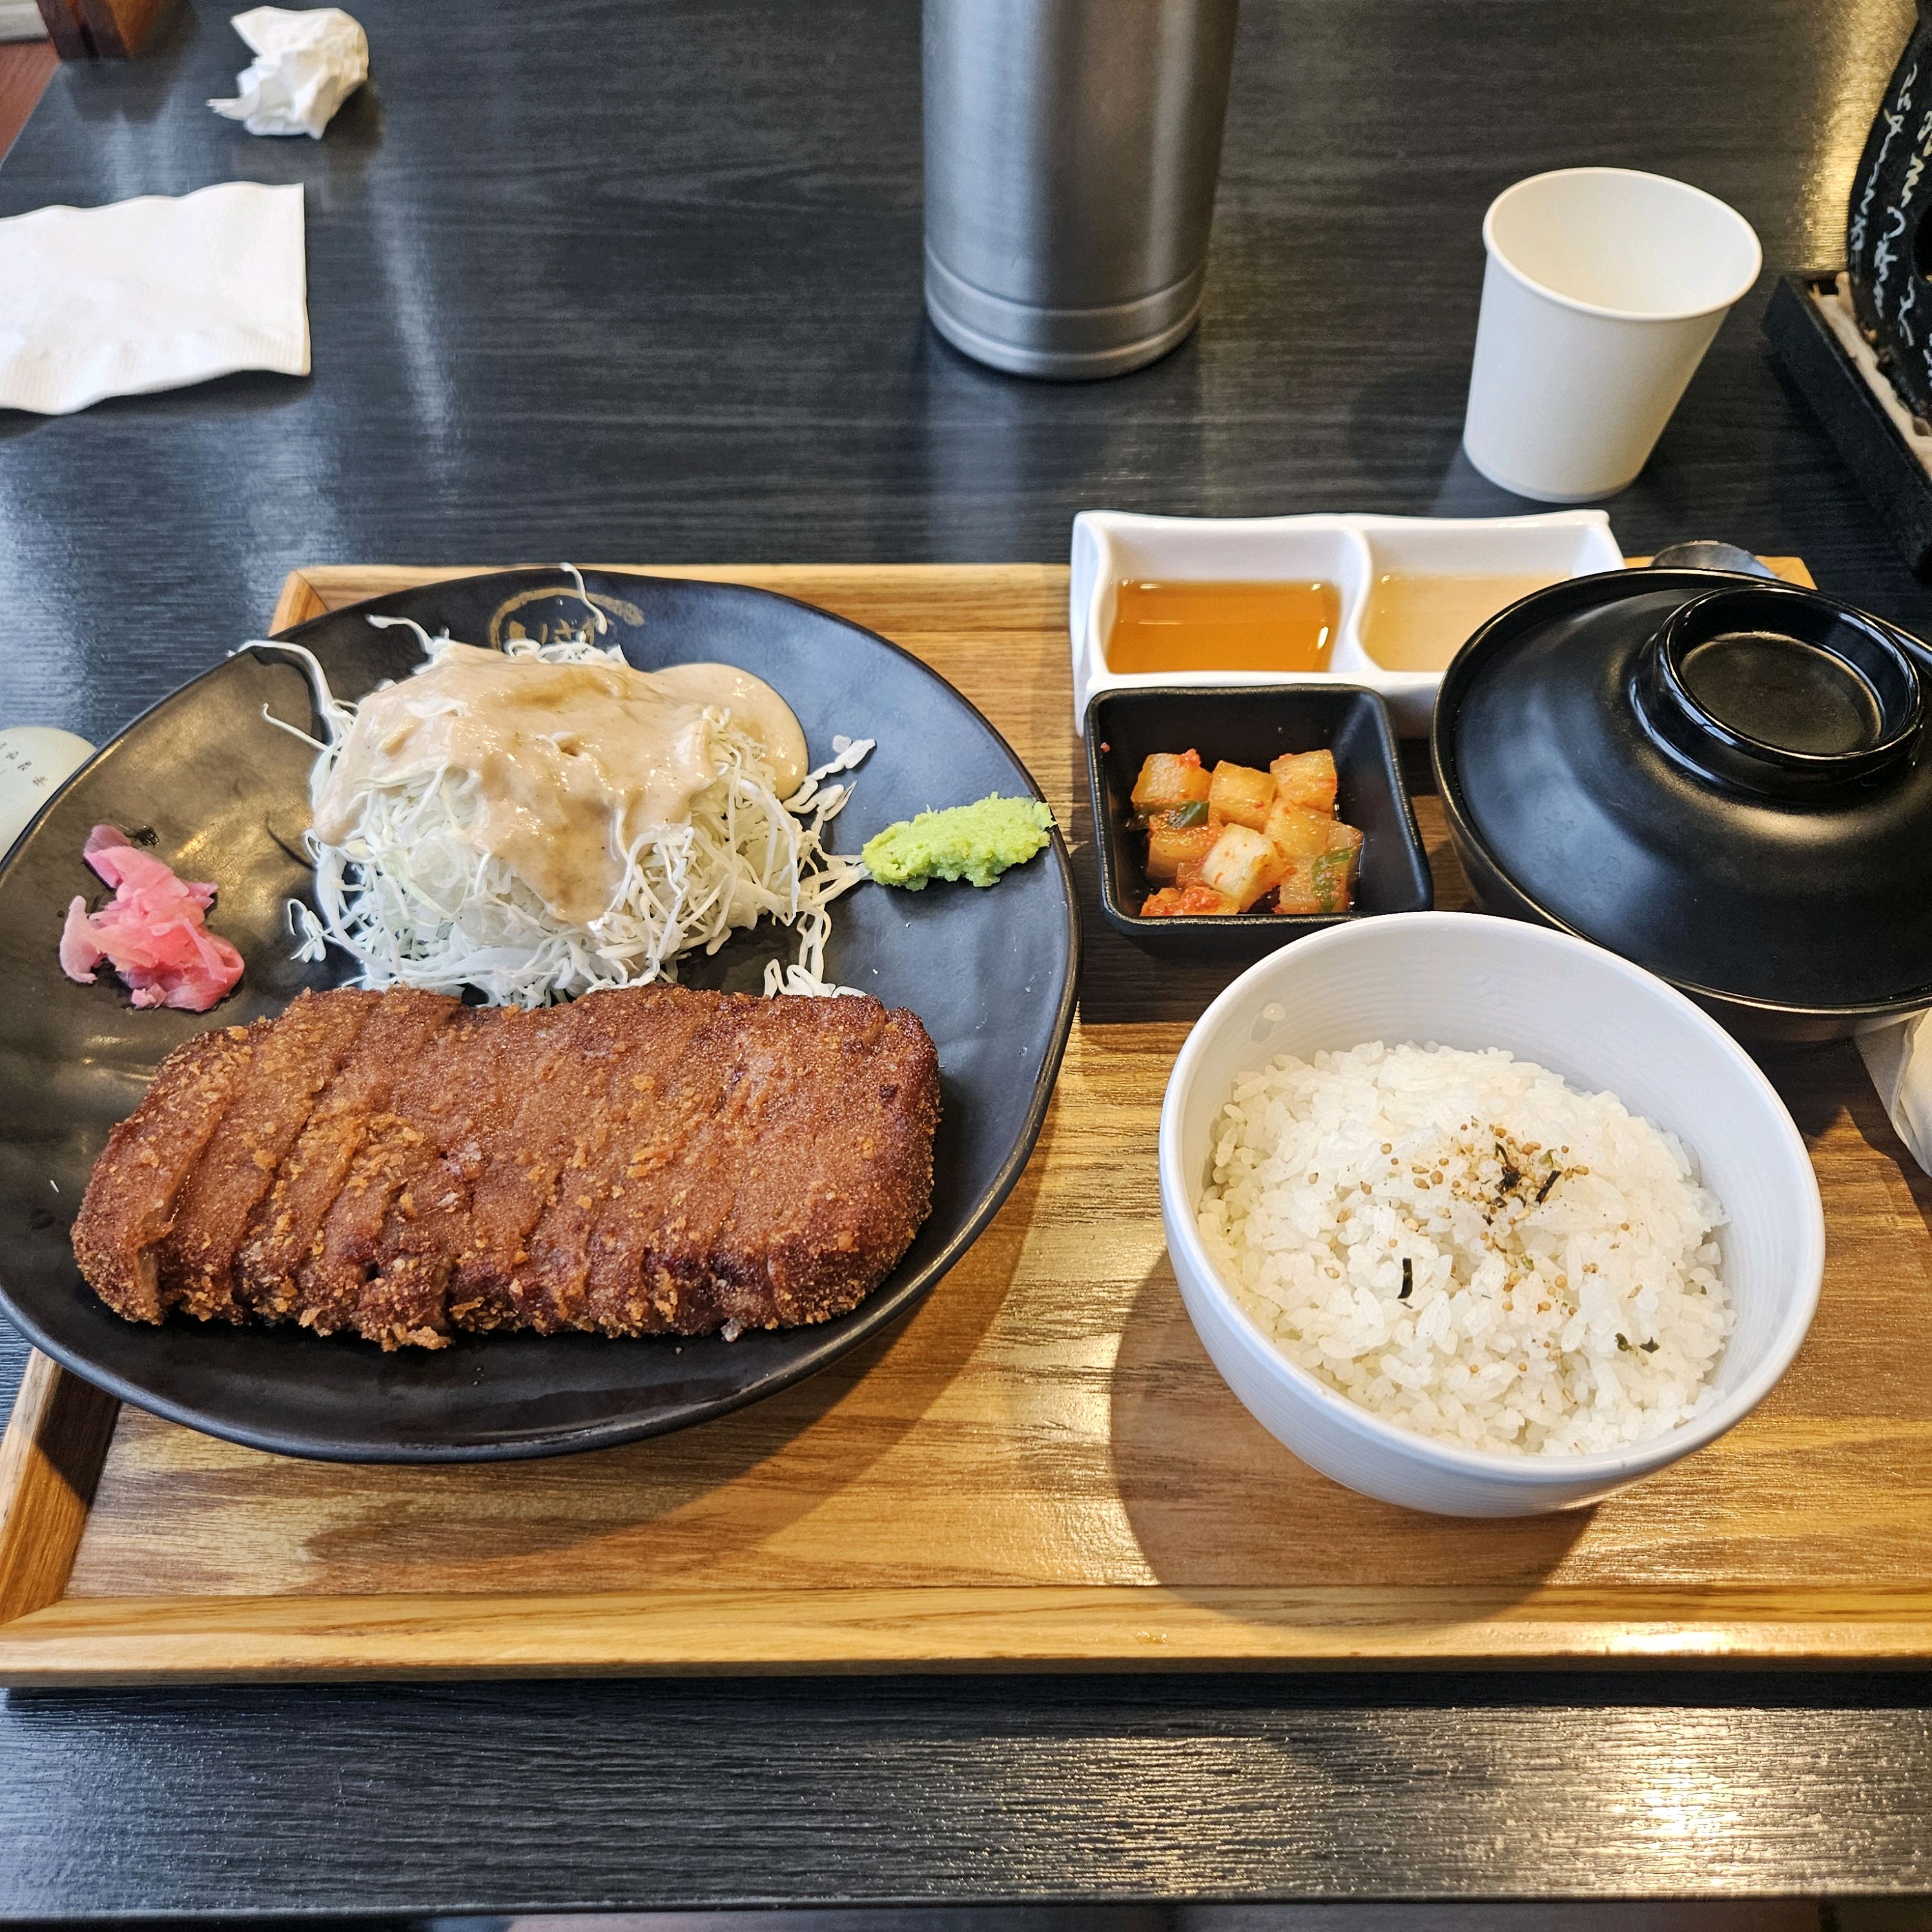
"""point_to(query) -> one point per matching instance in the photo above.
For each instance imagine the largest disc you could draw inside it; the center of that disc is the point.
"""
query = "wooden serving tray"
(1040, 1468)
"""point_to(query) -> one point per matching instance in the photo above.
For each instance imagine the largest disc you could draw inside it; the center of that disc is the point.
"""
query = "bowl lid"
(1721, 778)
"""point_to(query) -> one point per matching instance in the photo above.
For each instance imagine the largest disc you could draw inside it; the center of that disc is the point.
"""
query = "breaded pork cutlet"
(400, 1166)
(292, 1060)
(357, 1273)
(568, 1062)
(149, 1158)
(652, 1048)
(748, 1197)
(284, 1230)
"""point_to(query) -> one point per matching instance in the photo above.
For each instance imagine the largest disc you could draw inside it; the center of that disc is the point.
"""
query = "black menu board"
(1888, 229)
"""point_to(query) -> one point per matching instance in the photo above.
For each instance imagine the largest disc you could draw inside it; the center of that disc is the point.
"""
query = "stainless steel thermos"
(1072, 150)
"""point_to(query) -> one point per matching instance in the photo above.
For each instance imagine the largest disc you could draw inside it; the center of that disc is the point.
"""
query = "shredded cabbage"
(416, 903)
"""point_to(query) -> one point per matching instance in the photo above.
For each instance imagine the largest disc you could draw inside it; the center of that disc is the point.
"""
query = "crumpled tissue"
(307, 65)
(1899, 1059)
(151, 294)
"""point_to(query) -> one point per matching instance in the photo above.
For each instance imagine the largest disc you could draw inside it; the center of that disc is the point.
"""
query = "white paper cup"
(1602, 290)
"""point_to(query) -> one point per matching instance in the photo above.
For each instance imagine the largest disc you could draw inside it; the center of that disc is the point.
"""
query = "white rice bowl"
(1469, 1248)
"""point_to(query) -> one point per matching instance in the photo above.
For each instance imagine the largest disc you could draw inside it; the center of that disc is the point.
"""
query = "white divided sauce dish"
(1352, 553)
(1464, 980)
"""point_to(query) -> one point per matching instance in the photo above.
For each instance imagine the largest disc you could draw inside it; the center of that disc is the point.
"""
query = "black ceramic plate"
(225, 794)
(1251, 724)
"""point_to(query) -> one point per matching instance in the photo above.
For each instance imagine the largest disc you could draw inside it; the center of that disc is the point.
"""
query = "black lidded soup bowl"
(1725, 779)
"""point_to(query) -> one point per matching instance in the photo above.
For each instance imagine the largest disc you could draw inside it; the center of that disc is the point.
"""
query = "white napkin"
(150, 294)
(1899, 1059)
(307, 65)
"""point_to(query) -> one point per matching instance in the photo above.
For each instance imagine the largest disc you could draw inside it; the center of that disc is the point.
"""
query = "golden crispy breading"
(130, 1204)
(399, 1166)
(293, 1059)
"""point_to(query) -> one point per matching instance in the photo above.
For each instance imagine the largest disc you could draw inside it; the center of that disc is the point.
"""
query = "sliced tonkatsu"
(753, 1194)
(149, 1158)
(282, 1233)
(400, 1166)
(290, 1060)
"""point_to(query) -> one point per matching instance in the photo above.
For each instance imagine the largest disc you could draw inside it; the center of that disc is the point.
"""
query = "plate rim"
(871, 1317)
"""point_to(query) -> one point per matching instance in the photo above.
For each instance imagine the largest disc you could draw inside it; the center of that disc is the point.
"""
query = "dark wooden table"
(617, 281)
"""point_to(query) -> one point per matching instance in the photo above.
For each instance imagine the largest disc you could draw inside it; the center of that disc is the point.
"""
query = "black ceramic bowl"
(1725, 780)
(1251, 725)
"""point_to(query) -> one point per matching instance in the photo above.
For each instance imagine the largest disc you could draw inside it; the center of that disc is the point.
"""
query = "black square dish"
(1251, 725)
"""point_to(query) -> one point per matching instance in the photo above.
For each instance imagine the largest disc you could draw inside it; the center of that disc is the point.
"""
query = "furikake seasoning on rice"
(1470, 1248)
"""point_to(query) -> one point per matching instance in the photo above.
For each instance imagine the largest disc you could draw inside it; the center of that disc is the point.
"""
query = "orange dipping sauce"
(1222, 626)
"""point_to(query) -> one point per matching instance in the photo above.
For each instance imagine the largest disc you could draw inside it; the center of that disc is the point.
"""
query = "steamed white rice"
(1467, 1245)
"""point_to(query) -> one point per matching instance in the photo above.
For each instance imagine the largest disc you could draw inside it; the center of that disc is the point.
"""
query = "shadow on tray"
(1214, 1499)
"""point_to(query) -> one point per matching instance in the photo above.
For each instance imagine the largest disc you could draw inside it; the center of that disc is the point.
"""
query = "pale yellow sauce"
(573, 762)
(1419, 621)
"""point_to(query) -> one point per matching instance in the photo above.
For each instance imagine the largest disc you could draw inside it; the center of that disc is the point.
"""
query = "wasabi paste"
(975, 842)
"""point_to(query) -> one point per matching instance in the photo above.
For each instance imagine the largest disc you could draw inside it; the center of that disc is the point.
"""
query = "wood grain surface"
(50, 1460)
(25, 67)
(1041, 1464)
(67, 30)
(122, 29)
